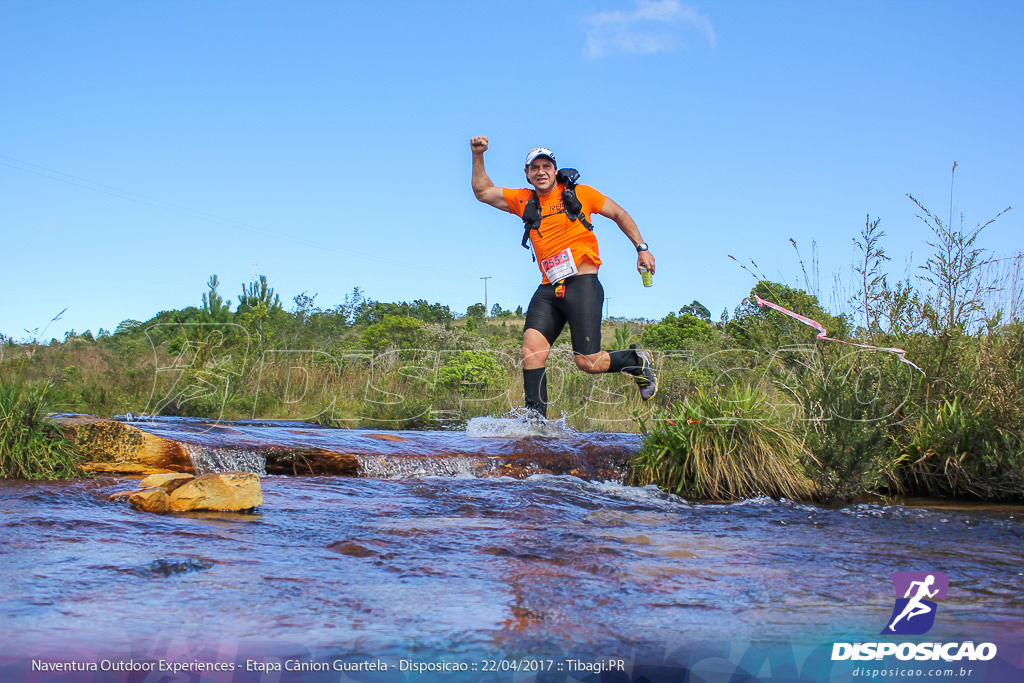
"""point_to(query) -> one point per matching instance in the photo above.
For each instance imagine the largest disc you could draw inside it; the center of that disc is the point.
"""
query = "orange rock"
(221, 491)
(115, 447)
(167, 482)
(150, 500)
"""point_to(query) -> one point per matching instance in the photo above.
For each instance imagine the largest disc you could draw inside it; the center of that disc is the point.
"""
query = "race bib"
(559, 266)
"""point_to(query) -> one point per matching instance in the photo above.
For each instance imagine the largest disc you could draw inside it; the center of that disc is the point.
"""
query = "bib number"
(559, 266)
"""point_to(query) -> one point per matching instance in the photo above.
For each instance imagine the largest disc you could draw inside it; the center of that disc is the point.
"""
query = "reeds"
(32, 446)
(724, 446)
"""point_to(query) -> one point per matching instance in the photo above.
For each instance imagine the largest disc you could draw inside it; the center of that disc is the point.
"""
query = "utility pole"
(485, 279)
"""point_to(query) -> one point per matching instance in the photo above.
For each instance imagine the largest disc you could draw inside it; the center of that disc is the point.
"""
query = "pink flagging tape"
(822, 334)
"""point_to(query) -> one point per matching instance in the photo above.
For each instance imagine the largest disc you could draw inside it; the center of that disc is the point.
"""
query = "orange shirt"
(556, 232)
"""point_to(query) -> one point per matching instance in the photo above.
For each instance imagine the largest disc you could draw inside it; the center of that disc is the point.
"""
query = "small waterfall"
(207, 459)
(386, 467)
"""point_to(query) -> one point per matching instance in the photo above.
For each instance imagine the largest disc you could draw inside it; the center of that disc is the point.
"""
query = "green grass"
(32, 446)
(723, 447)
(953, 451)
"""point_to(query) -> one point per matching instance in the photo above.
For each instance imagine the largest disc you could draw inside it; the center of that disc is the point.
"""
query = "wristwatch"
(641, 247)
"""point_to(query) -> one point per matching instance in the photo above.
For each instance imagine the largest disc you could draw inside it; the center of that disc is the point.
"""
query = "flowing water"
(448, 566)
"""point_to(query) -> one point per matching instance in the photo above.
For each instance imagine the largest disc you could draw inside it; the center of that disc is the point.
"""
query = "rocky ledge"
(267, 447)
(111, 447)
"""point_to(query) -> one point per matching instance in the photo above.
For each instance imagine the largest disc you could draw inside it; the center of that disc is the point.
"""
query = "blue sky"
(147, 145)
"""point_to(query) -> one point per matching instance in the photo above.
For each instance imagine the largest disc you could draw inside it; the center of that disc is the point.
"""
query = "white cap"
(540, 152)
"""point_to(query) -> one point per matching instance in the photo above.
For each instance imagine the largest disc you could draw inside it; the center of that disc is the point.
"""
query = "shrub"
(394, 332)
(678, 332)
(471, 370)
(723, 447)
(32, 446)
(853, 401)
(759, 329)
(955, 451)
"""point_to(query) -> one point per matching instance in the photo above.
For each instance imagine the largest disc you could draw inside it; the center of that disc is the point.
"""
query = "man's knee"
(534, 359)
(535, 350)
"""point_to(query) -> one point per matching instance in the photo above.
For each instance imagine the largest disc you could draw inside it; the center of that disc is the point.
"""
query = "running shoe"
(535, 417)
(646, 380)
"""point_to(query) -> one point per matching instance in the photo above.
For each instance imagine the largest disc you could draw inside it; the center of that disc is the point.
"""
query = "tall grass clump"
(31, 445)
(956, 451)
(724, 446)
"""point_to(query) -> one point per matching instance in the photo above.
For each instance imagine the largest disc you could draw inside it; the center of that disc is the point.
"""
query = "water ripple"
(451, 563)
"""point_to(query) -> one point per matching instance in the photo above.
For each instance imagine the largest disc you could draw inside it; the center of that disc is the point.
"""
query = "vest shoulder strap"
(531, 219)
(571, 206)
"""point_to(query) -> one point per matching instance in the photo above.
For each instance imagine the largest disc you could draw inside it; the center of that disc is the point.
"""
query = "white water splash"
(518, 424)
(382, 467)
(207, 459)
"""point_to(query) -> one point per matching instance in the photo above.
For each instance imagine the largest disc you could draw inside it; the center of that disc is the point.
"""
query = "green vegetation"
(752, 403)
(31, 446)
(725, 446)
(875, 425)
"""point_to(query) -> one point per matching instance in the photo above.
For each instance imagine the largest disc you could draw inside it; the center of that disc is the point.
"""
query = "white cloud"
(653, 26)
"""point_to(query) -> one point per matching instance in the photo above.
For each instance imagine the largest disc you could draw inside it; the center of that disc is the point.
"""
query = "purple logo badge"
(914, 612)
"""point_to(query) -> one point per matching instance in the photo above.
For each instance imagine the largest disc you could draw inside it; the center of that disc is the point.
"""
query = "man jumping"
(556, 214)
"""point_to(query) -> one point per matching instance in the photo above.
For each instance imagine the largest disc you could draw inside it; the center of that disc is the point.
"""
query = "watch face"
(642, 246)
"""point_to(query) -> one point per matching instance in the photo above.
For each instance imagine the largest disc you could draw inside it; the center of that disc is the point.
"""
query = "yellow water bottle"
(646, 275)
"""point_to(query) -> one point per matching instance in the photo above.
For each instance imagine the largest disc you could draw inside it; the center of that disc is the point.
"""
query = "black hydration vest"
(571, 205)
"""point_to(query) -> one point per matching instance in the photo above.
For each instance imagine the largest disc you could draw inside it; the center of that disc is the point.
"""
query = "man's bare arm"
(483, 188)
(628, 227)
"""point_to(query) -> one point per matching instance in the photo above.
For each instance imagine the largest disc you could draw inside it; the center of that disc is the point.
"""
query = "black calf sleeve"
(535, 387)
(625, 360)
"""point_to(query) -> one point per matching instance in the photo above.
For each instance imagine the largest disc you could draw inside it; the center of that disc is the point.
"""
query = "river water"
(567, 574)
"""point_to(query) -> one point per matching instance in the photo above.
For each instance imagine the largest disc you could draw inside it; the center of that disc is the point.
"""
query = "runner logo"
(914, 612)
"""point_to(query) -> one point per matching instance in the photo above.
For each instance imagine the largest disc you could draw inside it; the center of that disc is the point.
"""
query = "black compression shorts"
(581, 308)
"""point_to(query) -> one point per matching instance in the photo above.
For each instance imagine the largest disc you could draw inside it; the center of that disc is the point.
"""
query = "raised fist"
(478, 144)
